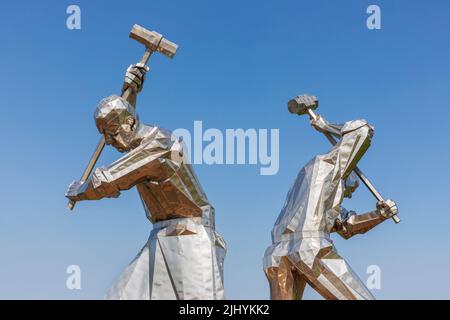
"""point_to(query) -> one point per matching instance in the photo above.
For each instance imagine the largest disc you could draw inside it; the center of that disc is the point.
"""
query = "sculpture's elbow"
(346, 235)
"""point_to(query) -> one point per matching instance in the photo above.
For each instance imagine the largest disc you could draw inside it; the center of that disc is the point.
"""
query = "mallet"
(153, 41)
(306, 105)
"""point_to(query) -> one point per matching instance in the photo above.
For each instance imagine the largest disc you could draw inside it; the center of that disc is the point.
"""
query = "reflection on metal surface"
(302, 251)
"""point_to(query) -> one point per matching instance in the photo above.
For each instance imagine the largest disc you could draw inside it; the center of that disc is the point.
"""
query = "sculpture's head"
(350, 185)
(117, 120)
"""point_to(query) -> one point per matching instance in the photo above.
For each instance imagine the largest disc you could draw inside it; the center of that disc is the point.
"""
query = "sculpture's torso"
(179, 196)
(168, 186)
(313, 201)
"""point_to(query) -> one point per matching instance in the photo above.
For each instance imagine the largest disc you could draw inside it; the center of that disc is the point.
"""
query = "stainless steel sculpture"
(184, 256)
(302, 251)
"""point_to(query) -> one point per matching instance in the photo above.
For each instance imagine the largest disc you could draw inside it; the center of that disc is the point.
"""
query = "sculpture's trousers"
(183, 259)
(290, 265)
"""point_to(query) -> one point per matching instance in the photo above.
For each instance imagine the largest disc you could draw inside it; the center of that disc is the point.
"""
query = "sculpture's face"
(120, 136)
(350, 185)
(117, 121)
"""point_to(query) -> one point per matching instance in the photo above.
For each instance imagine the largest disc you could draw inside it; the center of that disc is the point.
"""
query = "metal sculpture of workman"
(183, 258)
(302, 251)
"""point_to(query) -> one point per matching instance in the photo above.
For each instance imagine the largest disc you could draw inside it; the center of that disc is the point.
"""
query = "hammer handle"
(101, 144)
(90, 166)
(358, 172)
(148, 52)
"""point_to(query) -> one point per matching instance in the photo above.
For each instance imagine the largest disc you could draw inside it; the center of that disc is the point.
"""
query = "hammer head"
(300, 104)
(153, 41)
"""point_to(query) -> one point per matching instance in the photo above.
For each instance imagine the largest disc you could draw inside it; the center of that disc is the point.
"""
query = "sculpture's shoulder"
(155, 136)
(353, 125)
(160, 143)
(150, 131)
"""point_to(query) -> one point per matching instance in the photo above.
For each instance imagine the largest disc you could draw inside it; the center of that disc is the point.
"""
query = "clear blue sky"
(238, 64)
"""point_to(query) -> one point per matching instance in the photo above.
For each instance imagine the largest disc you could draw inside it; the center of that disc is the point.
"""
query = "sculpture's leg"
(182, 261)
(299, 284)
(333, 278)
(190, 255)
(285, 282)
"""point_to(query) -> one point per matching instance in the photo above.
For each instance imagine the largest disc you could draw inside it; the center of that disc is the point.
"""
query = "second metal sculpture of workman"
(302, 251)
(183, 258)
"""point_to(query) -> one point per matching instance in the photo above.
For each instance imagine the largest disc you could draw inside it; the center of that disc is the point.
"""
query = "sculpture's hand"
(387, 208)
(73, 192)
(134, 77)
(79, 190)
